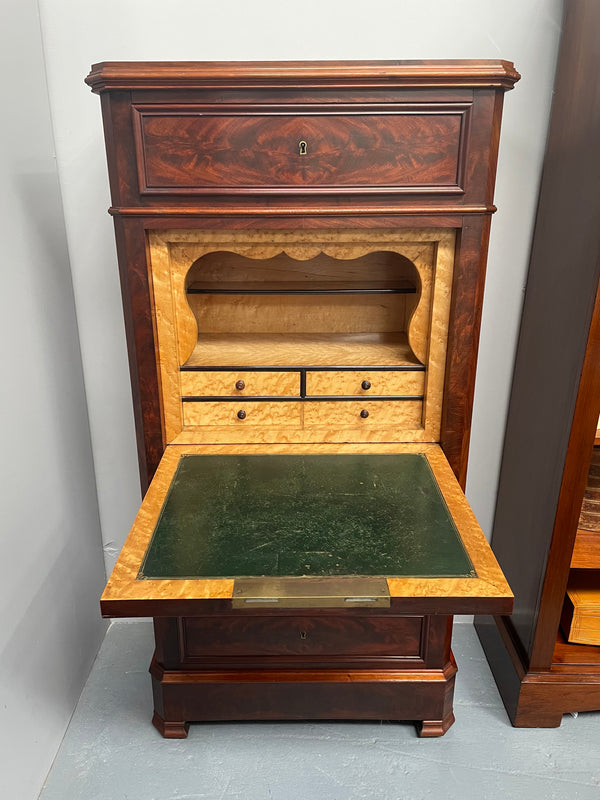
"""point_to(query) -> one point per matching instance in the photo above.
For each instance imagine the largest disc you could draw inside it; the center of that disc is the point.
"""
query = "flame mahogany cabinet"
(553, 415)
(302, 251)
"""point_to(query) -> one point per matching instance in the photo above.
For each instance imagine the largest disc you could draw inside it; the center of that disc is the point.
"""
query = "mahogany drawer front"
(302, 635)
(347, 382)
(193, 150)
(243, 413)
(240, 384)
(368, 413)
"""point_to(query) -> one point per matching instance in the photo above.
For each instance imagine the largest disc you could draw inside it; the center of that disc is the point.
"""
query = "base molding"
(374, 664)
(534, 699)
(183, 696)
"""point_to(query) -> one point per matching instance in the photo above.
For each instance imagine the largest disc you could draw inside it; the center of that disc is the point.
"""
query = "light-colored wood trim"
(309, 434)
(123, 584)
(436, 336)
(163, 317)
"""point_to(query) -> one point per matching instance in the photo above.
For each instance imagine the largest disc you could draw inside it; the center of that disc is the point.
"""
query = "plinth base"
(411, 686)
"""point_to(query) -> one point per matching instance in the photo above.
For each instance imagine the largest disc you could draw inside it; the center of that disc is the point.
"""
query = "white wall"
(52, 566)
(49, 518)
(77, 34)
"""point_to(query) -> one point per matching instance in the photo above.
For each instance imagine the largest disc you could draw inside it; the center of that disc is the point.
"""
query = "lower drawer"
(242, 413)
(301, 635)
(400, 413)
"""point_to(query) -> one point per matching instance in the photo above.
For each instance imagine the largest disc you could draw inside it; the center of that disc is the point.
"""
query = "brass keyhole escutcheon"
(303, 634)
(302, 148)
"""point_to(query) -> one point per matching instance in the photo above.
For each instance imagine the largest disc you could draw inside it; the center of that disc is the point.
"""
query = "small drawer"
(242, 384)
(243, 414)
(359, 413)
(375, 383)
(189, 151)
(302, 635)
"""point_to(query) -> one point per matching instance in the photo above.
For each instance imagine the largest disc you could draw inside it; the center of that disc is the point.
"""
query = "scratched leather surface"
(294, 515)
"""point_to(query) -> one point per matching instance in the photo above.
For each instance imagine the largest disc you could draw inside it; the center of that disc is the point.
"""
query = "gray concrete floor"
(112, 752)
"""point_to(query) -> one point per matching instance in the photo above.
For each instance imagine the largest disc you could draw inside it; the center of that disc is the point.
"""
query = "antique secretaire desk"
(302, 250)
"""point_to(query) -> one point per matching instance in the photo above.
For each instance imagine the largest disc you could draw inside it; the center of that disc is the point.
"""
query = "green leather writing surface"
(294, 515)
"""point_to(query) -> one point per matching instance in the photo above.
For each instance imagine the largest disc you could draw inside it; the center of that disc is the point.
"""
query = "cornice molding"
(151, 75)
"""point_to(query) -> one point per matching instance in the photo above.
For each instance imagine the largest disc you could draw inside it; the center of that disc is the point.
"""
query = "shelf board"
(300, 287)
(568, 655)
(303, 349)
(586, 553)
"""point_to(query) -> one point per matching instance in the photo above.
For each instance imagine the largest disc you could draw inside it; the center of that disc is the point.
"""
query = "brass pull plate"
(330, 592)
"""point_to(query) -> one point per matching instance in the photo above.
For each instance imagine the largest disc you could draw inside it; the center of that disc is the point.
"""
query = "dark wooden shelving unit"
(555, 403)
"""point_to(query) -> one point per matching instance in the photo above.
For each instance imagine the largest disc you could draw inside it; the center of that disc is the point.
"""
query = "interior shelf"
(291, 287)
(578, 655)
(303, 349)
(586, 553)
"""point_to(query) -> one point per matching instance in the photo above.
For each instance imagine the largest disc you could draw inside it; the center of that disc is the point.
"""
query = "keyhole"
(303, 634)
(303, 147)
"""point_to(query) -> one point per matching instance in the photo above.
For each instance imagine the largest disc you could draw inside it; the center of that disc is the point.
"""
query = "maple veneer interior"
(295, 349)
(288, 312)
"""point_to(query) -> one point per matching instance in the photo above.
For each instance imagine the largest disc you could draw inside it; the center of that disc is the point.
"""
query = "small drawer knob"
(364, 413)
(366, 385)
(239, 385)
(241, 414)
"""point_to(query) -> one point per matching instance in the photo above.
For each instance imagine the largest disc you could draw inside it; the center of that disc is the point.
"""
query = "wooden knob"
(239, 385)
(366, 385)
(364, 413)
(241, 414)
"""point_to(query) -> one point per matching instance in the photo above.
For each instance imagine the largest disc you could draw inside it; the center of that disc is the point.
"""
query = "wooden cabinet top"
(115, 75)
